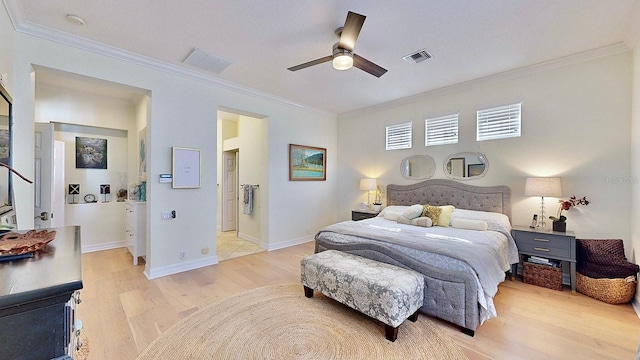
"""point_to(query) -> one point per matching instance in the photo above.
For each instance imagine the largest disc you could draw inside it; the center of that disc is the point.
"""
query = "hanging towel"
(248, 200)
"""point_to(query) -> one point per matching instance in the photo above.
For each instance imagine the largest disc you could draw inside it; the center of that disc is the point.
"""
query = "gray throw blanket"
(487, 252)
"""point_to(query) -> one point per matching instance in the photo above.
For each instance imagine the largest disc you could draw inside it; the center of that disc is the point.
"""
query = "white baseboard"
(249, 238)
(105, 246)
(180, 267)
(636, 306)
(285, 244)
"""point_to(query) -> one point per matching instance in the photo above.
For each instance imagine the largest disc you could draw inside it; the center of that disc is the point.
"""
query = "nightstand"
(547, 244)
(357, 215)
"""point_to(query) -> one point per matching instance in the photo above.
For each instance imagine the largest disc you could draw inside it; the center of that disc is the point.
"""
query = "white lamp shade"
(543, 186)
(368, 184)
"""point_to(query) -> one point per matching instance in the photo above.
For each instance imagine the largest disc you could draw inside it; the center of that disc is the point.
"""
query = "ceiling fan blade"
(366, 65)
(311, 63)
(351, 30)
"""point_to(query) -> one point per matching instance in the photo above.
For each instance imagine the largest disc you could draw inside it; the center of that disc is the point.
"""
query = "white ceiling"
(468, 39)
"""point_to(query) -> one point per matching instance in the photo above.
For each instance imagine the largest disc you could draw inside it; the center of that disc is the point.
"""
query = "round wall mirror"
(417, 167)
(466, 166)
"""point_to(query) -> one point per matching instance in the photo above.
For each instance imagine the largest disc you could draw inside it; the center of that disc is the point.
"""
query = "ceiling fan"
(343, 57)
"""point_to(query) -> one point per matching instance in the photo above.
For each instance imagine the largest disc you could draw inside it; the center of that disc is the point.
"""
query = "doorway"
(239, 229)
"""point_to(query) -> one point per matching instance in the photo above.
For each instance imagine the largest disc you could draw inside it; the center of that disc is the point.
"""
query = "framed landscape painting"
(307, 163)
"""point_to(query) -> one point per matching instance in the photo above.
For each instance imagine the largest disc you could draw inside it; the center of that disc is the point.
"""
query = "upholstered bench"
(384, 292)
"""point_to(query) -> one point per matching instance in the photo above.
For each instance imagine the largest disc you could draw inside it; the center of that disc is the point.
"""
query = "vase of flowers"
(560, 221)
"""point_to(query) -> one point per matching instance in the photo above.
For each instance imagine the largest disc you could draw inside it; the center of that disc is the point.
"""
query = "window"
(441, 130)
(399, 136)
(499, 122)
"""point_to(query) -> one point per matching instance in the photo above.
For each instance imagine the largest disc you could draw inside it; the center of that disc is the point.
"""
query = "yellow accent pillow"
(445, 215)
(432, 212)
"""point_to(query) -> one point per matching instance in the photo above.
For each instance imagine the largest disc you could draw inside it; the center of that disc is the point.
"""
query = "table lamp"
(368, 185)
(543, 186)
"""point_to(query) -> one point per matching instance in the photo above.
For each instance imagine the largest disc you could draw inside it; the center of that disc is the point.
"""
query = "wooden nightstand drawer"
(362, 214)
(543, 244)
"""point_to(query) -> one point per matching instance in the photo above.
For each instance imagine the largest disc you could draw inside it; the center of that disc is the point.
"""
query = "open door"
(43, 175)
(229, 192)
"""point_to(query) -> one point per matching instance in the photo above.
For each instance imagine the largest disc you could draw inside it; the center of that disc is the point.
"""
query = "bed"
(462, 267)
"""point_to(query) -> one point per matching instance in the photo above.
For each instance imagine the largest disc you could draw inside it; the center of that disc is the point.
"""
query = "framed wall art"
(185, 165)
(307, 163)
(91, 153)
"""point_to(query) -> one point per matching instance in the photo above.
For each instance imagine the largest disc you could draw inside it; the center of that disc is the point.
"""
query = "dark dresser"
(38, 296)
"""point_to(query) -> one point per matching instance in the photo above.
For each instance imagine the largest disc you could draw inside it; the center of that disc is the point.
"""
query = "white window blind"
(399, 136)
(441, 130)
(499, 122)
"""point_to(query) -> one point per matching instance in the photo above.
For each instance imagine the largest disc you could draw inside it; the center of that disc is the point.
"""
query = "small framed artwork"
(475, 170)
(185, 165)
(456, 167)
(307, 163)
(91, 153)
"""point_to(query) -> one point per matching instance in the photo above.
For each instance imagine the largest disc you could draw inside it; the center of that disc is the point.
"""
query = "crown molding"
(584, 56)
(25, 27)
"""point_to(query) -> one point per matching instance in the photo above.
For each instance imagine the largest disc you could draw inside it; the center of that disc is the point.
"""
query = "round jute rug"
(279, 322)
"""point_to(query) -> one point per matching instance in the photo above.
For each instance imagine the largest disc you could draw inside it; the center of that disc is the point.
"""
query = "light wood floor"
(123, 312)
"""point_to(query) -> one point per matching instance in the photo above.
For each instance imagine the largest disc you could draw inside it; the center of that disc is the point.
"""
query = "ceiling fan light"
(343, 61)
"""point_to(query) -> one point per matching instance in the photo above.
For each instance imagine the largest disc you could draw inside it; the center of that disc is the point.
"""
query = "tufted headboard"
(449, 192)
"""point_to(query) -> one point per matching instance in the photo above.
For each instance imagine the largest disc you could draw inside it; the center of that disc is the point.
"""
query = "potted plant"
(377, 204)
(560, 221)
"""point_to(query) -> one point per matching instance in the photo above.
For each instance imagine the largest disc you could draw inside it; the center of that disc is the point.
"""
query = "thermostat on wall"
(165, 178)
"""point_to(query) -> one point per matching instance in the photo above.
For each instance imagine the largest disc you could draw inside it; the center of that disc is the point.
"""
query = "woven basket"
(542, 275)
(613, 291)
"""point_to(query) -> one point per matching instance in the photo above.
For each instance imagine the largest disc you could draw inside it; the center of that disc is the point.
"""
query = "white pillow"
(469, 224)
(403, 220)
(413, 212)
(419, 221)
(495, 221)
(395, 209)
(423, 221)
(392, 215)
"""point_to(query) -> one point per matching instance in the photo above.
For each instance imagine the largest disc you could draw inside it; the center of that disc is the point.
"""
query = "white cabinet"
(136, 229)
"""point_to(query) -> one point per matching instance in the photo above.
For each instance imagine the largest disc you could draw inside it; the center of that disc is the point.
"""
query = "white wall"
(635, 165)
(183, 113)
(575, 124)
(253, 137)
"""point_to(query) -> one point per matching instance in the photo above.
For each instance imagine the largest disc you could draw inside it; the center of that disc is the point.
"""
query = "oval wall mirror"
(417, 167)
(466, 166)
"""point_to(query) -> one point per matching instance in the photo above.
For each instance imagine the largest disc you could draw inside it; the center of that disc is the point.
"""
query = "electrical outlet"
(183, 255)
(166, 215)
(205, 250)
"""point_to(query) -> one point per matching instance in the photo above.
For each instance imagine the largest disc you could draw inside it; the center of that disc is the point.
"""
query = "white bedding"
(488, 254)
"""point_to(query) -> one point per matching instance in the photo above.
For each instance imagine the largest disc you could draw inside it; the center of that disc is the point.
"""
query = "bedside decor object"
(104, 190)
(90, 198)
(74, 189)
(368, 185)
(543, 186)
(559, 222)
(307, 163)
(18, 244)
(377, 203)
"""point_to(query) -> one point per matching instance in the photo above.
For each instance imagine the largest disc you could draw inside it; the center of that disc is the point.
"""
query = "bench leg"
(468, 332)
(308, 292)
(391, 332)
(414, 317)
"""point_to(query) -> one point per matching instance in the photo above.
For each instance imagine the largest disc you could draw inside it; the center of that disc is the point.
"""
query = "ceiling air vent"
(418, 56)
(204, 61)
